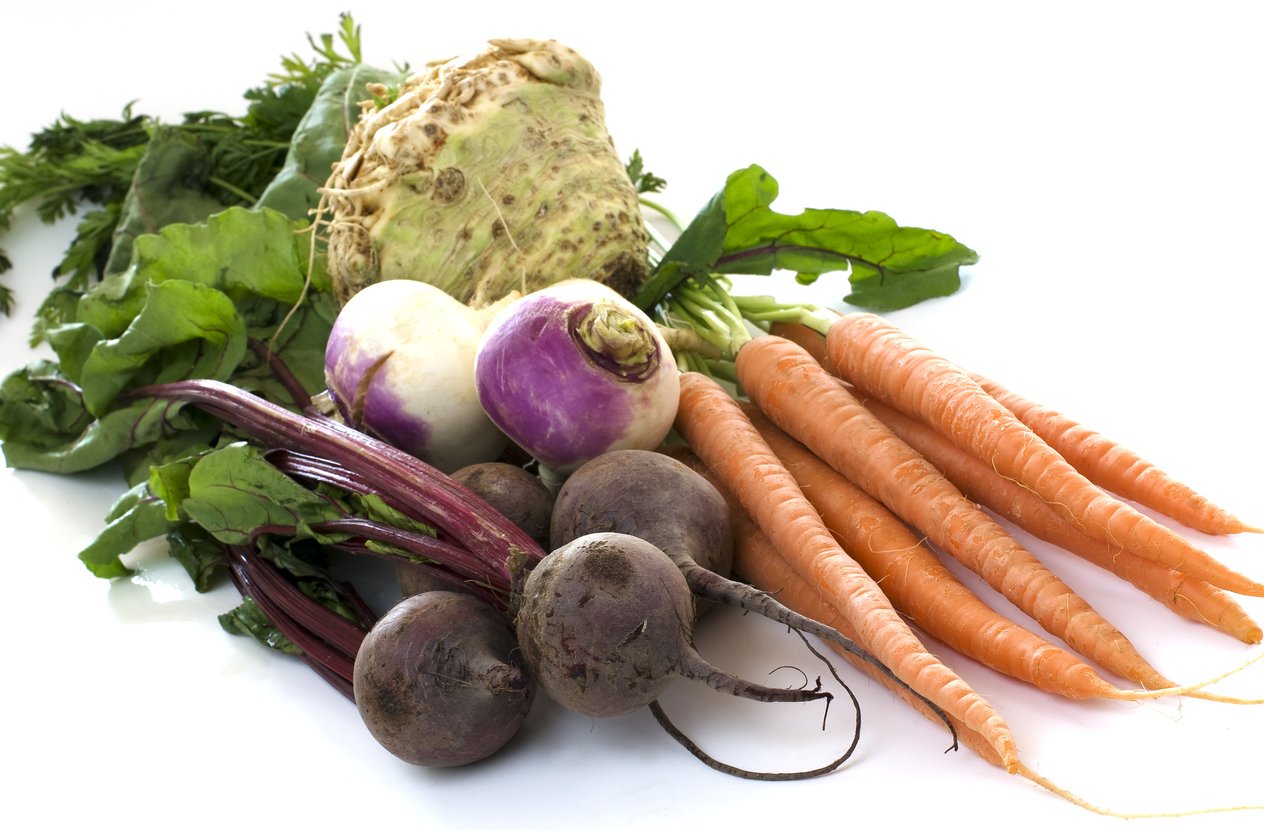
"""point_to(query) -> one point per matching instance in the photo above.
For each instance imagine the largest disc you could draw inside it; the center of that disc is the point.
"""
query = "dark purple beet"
(606, 623)
(520, 496)
(438, 681)
(650, 495)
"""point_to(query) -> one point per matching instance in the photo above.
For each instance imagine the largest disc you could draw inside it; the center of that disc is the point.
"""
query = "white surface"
(1104, 159)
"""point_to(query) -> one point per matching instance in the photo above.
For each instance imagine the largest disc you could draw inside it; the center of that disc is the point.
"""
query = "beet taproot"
(439, 682)
(606, 624)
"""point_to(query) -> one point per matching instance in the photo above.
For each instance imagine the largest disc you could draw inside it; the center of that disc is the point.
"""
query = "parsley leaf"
(73, 164)
(643, 180)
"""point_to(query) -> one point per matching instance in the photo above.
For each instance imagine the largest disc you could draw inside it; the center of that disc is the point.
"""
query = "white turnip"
(575, 370)
(399, 365)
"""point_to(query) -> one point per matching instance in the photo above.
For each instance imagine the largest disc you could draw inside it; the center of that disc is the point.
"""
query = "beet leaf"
(888, 266)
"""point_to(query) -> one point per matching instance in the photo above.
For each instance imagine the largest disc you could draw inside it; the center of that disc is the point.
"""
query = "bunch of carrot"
(829, 508)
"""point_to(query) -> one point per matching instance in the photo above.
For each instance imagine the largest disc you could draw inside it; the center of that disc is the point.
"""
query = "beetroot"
(606, 623)
(650, 495)
(658, 498)
(438, 681)
(520, 496)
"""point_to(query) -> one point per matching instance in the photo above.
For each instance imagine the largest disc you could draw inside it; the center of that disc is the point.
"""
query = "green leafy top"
(232, 158)
(193, 301)
(294, 69)
(738, 232)
(643, 180)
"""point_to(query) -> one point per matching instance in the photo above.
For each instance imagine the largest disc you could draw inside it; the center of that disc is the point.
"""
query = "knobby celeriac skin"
(487, 173)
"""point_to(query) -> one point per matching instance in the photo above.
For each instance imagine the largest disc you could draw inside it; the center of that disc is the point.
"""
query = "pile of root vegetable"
(442, 331)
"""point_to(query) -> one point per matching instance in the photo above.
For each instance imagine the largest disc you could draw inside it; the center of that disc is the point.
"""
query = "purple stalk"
(458, 559)
(323, 471)
(282, 373)
(326, 641)
(422, 491)
(331, 628)
(356, 547)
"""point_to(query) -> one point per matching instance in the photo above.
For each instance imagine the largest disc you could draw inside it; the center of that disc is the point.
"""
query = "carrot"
(887, 364)
(920, 587)
(1189, 597)
(758, 562)
(1192, 598)
(713, 425)
(1104, 462)
(799, 396)
(811, 341)
(1113, 467)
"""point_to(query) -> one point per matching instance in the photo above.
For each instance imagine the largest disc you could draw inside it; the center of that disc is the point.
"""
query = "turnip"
(575, 370)
(486, 173)
(399, 365)
(438, 680)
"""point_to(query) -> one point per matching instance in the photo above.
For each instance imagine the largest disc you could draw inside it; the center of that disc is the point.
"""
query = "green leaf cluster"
(194, 259)
(134, 174)
(888, 266)
(191, 303)
(227, 496)
(643, 180)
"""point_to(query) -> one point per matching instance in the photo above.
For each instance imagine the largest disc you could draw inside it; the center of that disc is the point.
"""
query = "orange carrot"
(886, 363)
(713, 425)
(1189, 597)
(920, 587)
(1109, 465)
(758, 562)
(810, 341)
(798, 395)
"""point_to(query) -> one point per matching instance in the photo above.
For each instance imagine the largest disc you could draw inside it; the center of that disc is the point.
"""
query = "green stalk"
(765, 309)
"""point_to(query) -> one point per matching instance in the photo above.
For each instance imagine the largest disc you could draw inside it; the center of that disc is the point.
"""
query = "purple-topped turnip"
(399, 365)
(575, 370)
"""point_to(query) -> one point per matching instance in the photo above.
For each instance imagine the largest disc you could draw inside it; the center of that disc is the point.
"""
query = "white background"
(1103, 158)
